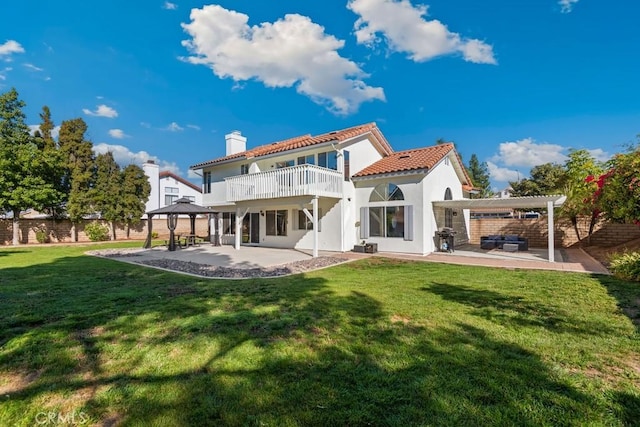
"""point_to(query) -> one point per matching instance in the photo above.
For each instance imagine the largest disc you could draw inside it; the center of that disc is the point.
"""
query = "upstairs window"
(307, 160)
(284, 164)
(206, 182)
(172, 190)
(244, 169)
(385, 193)
(328, 159)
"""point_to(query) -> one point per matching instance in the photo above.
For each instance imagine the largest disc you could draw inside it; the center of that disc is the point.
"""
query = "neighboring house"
(167, 187)
(332, 191)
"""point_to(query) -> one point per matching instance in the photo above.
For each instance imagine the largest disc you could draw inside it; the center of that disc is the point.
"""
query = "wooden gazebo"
(181, 206)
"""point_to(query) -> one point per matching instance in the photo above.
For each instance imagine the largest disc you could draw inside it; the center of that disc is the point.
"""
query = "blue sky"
(518, 83)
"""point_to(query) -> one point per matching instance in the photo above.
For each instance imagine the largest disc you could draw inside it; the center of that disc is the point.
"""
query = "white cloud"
(169, 6)
(32, 67)
(566, 6)
(290, 52)
(118, 134)
(405, 29)
(145, 125)
(194, 127)
(54, 132)
(101, 111)
(3, 73)
(527, 153)
(174, 127)
(123, 156)
(501, 174)
(599, 154)
(8, 48)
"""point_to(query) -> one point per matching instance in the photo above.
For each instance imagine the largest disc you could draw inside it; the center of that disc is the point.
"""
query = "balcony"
(303, 180)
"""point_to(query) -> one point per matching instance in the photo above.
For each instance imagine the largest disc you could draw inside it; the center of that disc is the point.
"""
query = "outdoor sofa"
(498, 240)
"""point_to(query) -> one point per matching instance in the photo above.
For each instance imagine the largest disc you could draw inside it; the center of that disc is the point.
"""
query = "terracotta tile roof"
(165, 174)
(306, 141)
(408, 160)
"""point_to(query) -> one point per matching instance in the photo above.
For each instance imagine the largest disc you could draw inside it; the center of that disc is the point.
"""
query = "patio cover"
(529, 202)
(182, 206)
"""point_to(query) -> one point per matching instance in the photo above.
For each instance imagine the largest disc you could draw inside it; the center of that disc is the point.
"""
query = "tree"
(135, 193)
(479, 174)
(78, 170)
(106, 192)
(618, 193)
(23, 166)
(55, 175)
(546, 179)
(579, 189)
(45, 130)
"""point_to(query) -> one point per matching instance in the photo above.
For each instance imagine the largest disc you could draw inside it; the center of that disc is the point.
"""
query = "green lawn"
(374, 342)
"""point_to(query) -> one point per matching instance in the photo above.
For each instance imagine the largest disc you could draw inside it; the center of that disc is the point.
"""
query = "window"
(386, 221)
(244, 169)
(171, 190)
(448, 212)
(192, 198)
(206, 182)
(305, 223)
(307, 160)
(347, 166)
(328, 160)
(228, 223)
(284, 164)
(385, 193)
(276, 223)
(169, 199)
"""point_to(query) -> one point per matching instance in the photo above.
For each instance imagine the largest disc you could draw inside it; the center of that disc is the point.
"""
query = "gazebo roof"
(182, 206)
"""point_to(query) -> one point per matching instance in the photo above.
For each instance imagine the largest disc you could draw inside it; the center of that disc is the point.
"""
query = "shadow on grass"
(627, 295)
(7, 252)
(290, 351)
(516, 310)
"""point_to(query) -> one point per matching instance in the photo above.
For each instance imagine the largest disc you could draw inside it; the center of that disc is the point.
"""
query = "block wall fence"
(60, 231)
(605, 235)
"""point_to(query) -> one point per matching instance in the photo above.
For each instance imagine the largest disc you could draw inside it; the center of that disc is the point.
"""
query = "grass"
(373, 342)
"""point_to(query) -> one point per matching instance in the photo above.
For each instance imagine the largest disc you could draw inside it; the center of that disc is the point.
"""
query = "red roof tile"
(408, 160)
(306, 141)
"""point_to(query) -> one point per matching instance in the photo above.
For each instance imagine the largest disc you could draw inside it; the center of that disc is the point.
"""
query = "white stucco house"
(167, 187)
(332, 191)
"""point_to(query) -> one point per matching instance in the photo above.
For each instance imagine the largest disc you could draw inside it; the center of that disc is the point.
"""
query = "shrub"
(154, 234)
(626, 266)
(41, 235)
(96, 232)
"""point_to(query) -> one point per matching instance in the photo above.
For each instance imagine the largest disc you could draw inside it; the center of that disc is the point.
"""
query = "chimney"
(236, 143)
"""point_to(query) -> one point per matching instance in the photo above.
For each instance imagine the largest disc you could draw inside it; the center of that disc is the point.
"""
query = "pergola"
(181, 206)
(530, 202)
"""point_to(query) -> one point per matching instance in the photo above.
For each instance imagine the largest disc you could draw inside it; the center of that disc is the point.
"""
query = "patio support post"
(550, 232)
(238, 229)
(314, 204)
(147, 242)
(192, 217)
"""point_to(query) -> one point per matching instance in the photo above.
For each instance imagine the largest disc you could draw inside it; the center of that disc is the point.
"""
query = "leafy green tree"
(107, 190)
(54, 175)
(44, 132)
(78, 170)
(135, 193)
(23, 166)
(579, 190)
(546, 179)
(618, 193)
(479, 173)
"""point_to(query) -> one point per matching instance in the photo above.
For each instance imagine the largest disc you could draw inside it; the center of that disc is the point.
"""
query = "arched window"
(448, 212)
(386, 193)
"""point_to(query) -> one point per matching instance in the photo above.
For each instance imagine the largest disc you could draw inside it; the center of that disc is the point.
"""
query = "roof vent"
(405, 156)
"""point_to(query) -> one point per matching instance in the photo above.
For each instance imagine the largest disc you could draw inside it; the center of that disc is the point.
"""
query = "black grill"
(446, 237)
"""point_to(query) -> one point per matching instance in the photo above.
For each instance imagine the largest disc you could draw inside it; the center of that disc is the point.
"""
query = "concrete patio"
(251, 257)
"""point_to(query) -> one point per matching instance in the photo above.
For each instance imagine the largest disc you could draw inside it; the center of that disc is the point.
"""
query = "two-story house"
(332, 191)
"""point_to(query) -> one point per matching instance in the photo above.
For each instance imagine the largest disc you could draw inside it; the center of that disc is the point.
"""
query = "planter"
(369, 248)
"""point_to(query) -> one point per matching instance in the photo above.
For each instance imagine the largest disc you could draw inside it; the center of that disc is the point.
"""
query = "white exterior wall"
(183, 190)
(441, 177)
(152, 171)
(412, 189)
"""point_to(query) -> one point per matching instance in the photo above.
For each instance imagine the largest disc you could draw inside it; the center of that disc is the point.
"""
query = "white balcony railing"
(303, 180)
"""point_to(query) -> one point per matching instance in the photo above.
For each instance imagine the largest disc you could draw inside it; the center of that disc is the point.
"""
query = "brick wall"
(604, 235)
(61, 230)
